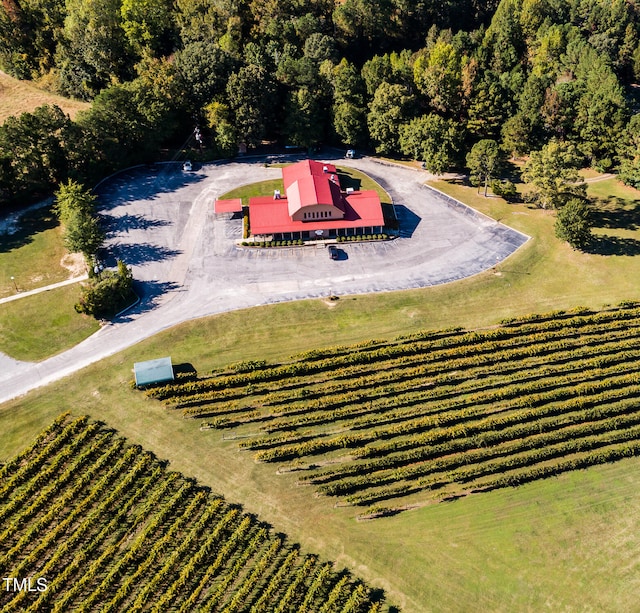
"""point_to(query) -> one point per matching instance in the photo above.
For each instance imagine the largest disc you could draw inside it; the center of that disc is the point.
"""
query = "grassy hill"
(391, 425)
(562, 543)
(22, 96)
(567, 542)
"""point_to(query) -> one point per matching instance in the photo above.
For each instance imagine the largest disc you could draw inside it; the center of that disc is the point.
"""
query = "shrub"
(505, 189)
(107, 293)
(573, 223)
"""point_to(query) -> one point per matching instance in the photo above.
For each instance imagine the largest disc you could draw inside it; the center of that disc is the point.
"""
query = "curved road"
(187, 263)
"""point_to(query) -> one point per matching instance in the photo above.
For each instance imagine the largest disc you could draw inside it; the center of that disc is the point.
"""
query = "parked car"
(351, 154)
(187, 166)
(333, 252)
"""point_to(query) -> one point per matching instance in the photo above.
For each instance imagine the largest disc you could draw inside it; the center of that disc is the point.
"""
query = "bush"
(108, 293)
(245, 223)
(504, 189)
(573, 223)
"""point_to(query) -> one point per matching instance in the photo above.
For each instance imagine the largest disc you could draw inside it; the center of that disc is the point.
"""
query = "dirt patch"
(74, 263)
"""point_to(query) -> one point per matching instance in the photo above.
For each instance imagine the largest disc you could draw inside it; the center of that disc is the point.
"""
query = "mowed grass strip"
(33, 253)
(254, 190)
(349, 177)
(117, 529)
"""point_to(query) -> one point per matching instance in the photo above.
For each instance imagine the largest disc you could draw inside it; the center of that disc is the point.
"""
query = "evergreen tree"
(573, 223)
(75, 207)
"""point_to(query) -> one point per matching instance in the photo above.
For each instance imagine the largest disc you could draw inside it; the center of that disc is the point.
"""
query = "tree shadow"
(613, 245)
(21, 227)
(616, 213)
(144, 184)
(130, 222)
(141, 253)
(149, 293)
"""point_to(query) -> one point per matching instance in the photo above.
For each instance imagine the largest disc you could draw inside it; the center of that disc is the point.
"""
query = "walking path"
(187, 263)
(46, 288)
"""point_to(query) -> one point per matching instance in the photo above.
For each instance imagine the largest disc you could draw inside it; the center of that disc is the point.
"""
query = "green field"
(388, 426)
(254, 190)
(33, 255)
(566, 543)
(510, 549)
(109, 528)
(42, 325)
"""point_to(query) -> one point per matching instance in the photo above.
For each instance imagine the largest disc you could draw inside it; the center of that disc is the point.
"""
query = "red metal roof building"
(228, 206)
(315, 206)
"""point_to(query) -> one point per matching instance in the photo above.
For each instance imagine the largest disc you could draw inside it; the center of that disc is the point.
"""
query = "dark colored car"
(333, 252)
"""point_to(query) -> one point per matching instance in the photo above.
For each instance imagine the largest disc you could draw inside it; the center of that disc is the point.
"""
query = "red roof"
(300, 170)
(309, 184)
(228, 206)
(269, 216)
(313, 190)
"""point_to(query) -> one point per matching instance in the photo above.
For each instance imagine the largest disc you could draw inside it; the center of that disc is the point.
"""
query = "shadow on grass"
(613, 245)
(616, 213)
(27, 225)
(347, 180)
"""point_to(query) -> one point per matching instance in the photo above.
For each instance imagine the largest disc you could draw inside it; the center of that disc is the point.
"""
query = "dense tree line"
(421, 78)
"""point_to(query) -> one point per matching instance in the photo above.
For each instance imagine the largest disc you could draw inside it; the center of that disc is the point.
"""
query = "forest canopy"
(423, 78)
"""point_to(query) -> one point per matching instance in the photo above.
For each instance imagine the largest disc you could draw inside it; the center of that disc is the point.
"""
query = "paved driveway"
(187, 263)
(163, 225)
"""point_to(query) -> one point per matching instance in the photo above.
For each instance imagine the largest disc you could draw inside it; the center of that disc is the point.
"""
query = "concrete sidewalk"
(46, 288)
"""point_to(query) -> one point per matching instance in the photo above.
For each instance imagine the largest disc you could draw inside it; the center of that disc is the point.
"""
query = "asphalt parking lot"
(187, 264)
(162, 223)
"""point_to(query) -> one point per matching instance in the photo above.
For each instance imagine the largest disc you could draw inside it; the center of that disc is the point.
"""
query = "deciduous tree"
(482, 162)
(437, 74)
(392, 106)
(552, 172)
(433, 140)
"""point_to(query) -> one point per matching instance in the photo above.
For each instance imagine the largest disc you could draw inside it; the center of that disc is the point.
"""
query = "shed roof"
(228, 206)
(153, 371)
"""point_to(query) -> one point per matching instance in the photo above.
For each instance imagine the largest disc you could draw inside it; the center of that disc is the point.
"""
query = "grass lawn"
(253, 190)
(33, 255)
(42, 325)
(568, 543)
(349, 177)
(18, 97)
